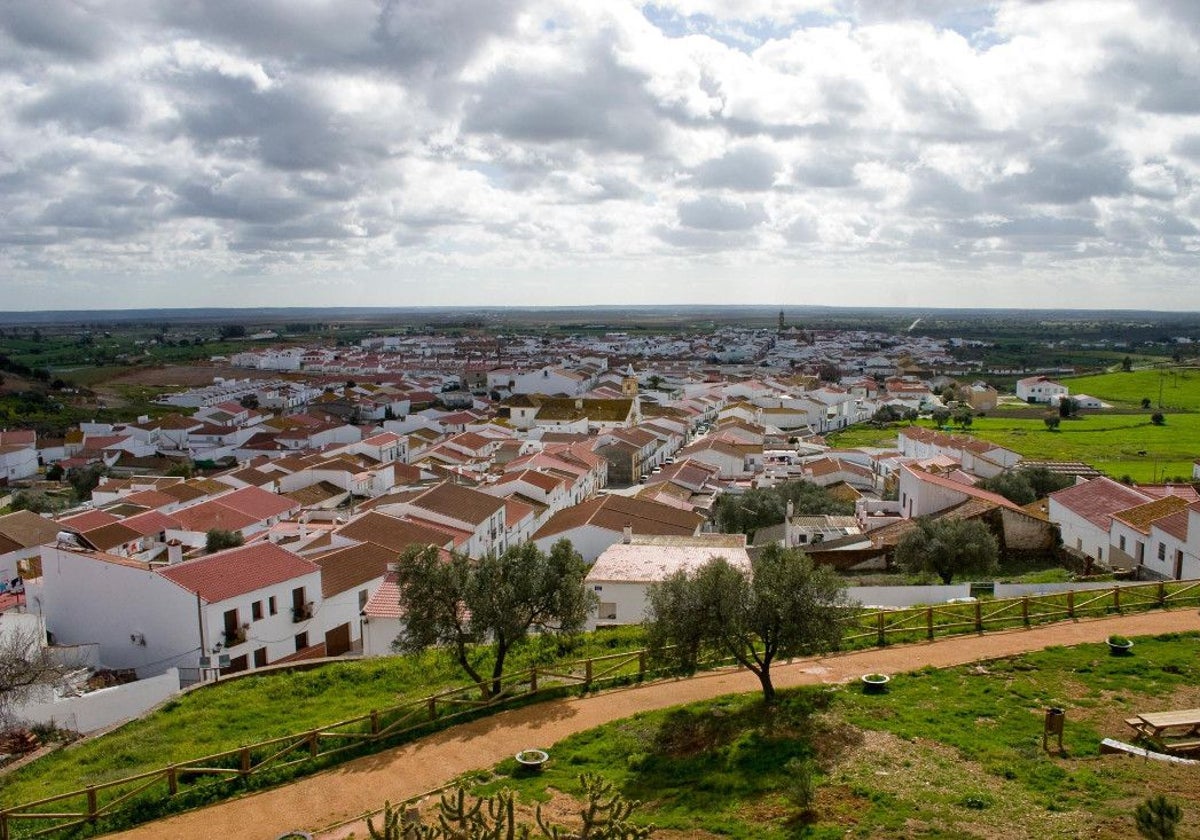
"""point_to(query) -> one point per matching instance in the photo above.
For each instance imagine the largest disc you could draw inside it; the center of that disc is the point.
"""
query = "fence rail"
(381, 727)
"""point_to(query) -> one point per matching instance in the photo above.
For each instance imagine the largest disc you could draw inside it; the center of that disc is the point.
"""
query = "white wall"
(102, 708)
(87, 600)
(378, 635)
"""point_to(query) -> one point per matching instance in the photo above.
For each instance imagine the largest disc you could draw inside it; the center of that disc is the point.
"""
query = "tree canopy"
(460, 602)
(785, 606)
(1026, 484)
(754, 509)
(947, 547)
(219, 539)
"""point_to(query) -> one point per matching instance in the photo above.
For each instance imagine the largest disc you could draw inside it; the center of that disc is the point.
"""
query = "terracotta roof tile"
(238, 571)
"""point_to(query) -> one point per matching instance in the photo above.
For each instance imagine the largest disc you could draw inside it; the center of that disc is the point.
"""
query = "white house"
(623, 573)
(18, 455)
(1083, 513)
(595, 524)
(1040, 389)
(255, 604)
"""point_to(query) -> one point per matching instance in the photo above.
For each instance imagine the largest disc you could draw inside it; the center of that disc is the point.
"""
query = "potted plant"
(1120, 645)
(875, 683)
(532, 759)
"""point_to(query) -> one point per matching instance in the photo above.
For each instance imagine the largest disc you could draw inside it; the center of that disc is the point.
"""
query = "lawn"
(944, 753)
(1179, 387)
(1109, 442)
(228, 715)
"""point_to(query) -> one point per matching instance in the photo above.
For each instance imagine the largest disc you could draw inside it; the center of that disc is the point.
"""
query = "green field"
(1178, 387)
(944, 753)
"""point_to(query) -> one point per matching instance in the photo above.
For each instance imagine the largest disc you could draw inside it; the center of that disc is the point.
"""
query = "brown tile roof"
(1175, 524)
(237, 571)
(109, 536)
(186, 493)
(26, 529)
(347, 568)
(314, 494)
(461, 503)
(392, 532)
(615, 512)
(1142, 516)
(150, 522)
(259, 503)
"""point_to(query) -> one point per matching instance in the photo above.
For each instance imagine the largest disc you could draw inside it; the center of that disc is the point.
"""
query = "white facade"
(18, 462)
(1039, 389)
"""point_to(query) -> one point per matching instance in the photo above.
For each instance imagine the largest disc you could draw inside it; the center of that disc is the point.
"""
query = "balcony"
(302, 613)
(235, 637)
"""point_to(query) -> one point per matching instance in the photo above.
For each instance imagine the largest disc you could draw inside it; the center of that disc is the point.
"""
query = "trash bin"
(1053, 726)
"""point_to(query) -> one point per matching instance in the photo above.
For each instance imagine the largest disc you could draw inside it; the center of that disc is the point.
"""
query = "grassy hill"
(945, 753)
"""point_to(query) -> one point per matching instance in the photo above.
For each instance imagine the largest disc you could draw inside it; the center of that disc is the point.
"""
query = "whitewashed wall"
(103, 708)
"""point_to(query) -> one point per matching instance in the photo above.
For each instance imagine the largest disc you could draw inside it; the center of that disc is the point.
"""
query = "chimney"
(579, 402)
(174, 552)
(791, 509)
(628, 537)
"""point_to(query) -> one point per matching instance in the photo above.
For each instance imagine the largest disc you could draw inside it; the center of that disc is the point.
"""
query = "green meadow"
(1178, 387)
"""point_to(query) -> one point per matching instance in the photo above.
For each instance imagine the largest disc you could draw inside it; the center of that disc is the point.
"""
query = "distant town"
(252, 511)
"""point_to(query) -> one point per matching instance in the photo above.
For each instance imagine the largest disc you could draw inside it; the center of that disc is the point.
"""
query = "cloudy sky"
(530, 152)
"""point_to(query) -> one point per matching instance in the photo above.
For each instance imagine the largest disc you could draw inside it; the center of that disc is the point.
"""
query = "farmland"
(1172, 389)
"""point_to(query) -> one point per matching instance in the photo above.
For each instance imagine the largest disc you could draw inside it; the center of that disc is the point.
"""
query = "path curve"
(356, 787)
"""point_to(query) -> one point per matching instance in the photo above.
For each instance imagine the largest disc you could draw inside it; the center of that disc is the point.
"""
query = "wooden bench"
(1189, 745)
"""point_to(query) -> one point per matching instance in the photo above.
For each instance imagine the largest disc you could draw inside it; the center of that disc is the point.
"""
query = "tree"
(84, 480)
(25, 665)
(1127, 364)
(233, 331)
(784, 606)
(218, 540)
(754, 509)
(249, 402)
(941, 416)
(1145, 402)
(34, 501)
(460, 602)
(1052, 423)
(1067, 407)
(1012, 486)
(1158, 419)
(948, 547)
(1157, 818)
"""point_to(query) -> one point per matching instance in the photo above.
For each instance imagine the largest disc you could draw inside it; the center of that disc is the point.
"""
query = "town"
(255, 519)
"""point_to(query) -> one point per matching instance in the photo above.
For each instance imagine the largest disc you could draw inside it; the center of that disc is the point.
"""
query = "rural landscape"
(949, 744)
(621, 420)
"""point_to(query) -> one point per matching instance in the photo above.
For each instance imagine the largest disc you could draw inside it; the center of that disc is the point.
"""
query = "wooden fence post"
(433, 708)
(172, 780)
(1162, 594)
(91, 803)
(1117, 598)
(1070, 603)
(314, 743)
(533, 680)
(978, 617)
(1025, 610)
(929, 623)
(641, 665)
(587, 674)
(4, 825)
(244, 762)
(374, 721)
(881, 632)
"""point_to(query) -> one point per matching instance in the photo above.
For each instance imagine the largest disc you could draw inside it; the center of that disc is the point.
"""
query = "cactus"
(605, 815)
(396, 825)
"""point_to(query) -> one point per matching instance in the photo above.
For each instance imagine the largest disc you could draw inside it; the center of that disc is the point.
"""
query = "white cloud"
(546, 151)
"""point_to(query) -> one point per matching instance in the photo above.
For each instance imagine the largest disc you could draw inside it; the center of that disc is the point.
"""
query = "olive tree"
(947, 547)
(461, 603)
(783, 606)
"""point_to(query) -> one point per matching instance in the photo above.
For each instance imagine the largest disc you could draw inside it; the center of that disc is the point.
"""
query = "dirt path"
(362, 785)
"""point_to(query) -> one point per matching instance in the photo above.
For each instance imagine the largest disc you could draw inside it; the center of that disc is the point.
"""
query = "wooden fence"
(281, 758)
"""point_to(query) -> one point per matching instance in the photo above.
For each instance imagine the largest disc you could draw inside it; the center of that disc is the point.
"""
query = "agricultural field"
(944, 753)
(1177, 387)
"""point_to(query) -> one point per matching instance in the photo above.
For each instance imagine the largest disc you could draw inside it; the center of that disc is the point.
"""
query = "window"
(301, 641)
(362, 599)
(271, 607)
(1162, 551)
(1121, 543)
(260, 657)
(256, 612)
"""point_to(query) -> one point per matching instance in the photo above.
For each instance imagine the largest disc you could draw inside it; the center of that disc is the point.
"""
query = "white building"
(255, 604)
(622, 575)
(1040, 389)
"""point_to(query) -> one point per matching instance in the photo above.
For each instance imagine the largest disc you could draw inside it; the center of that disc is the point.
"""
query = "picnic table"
(1177, 731)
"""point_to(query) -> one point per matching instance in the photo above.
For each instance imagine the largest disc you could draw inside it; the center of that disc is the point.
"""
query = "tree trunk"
(768, 688)
(498, 668)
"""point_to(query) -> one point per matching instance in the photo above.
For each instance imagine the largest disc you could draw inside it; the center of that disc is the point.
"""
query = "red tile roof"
(238, 571)
(1097, 500)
